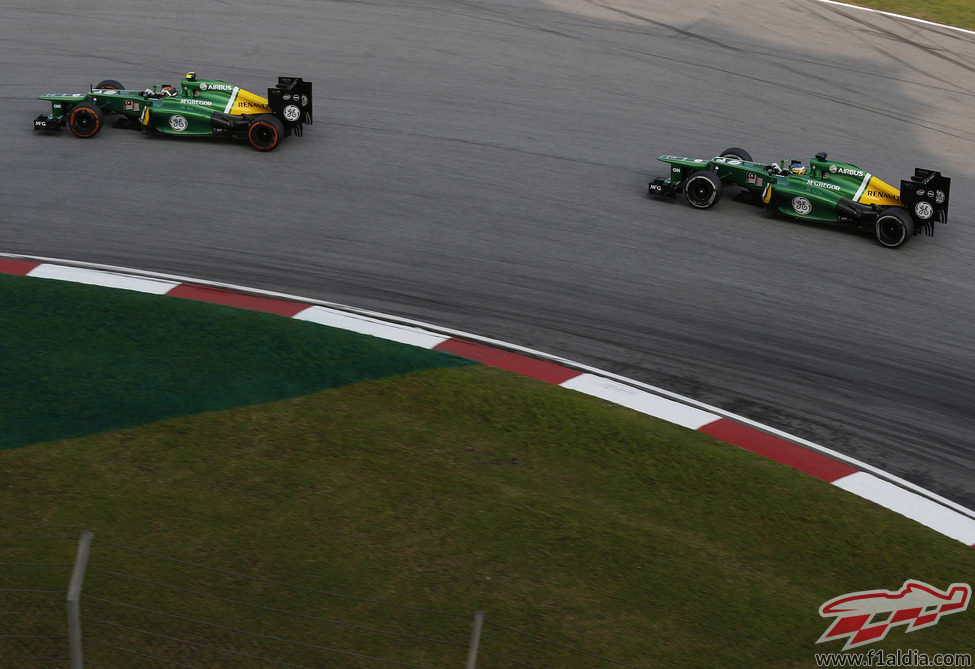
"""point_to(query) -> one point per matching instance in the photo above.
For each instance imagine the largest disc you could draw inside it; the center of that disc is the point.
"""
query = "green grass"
(960, 13)
(446, 488)
(135, 358)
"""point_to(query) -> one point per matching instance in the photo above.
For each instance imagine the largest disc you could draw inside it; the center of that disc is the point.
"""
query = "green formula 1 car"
(826, 191)
(198, 107)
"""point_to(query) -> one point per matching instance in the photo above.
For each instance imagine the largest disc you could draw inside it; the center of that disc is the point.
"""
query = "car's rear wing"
(925, 196)
(291, 101)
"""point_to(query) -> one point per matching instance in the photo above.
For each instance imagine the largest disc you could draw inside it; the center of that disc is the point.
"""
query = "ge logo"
(924, 210)
(292, 113)
(801, 206)
(178, 123)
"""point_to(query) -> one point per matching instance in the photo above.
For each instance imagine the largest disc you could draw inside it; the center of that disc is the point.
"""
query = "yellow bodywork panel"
(880, 193)
(245, 102)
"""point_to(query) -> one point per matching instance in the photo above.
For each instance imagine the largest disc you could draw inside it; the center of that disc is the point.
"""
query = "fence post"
(475, 639)
(74, 594)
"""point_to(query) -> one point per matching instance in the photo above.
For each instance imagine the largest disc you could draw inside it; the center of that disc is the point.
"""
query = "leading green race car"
(827, 191)
(199, 107)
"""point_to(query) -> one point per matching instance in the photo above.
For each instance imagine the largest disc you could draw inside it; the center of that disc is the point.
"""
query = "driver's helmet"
(168, 90)
(797, 168)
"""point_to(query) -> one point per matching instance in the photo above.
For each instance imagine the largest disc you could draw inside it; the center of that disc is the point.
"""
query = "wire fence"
(143, 609)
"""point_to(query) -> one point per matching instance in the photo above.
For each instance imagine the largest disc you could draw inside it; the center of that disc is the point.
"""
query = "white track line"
(912, 19)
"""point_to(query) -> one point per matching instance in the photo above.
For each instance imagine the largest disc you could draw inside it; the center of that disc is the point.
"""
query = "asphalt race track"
(482, 164)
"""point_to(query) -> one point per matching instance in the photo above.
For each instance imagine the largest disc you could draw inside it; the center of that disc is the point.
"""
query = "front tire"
(85, 120)
(110, 84)
(737, 153)
(265, 132)
(894, 227)
(702, 189)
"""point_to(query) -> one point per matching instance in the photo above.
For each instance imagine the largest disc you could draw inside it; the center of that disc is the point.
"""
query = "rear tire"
(735, 152)
(894, 227)
(265, 132)
(85, 120)
(702, 189)
(110, 84)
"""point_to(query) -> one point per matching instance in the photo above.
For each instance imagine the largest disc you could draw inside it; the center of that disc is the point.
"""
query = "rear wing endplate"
(291, 101)
(925, 196)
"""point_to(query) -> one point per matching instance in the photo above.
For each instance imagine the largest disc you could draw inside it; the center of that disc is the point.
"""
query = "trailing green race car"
(199, 107)
(827, 191)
